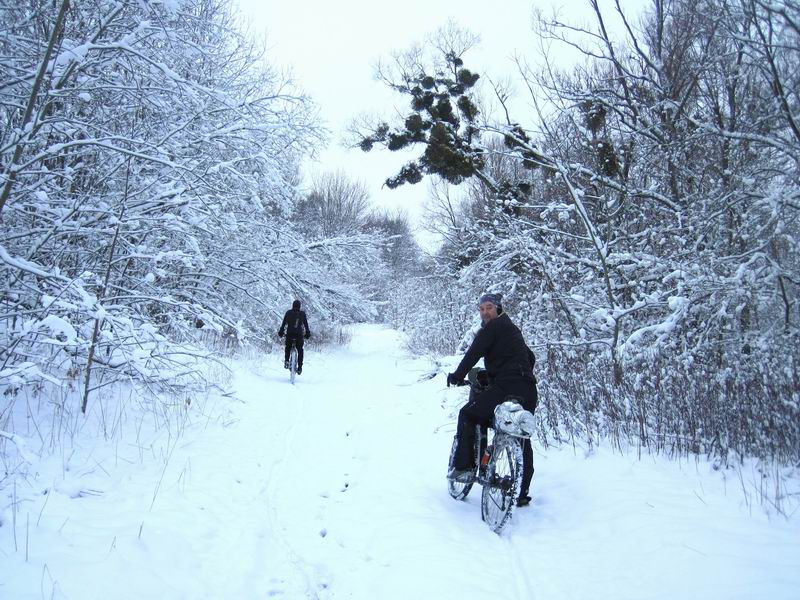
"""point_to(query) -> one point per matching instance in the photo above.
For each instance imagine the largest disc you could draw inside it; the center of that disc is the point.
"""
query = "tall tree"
(644, 227)
(336, 205)
(147, 147)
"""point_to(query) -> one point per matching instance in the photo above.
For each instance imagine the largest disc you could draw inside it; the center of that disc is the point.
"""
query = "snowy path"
(334, 488)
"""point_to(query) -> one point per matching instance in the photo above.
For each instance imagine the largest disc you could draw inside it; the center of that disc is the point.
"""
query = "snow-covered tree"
(149, 161)
(643, 228)
(335, 205)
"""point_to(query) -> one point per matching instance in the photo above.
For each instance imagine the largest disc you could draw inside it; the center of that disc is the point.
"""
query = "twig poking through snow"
(22, 447)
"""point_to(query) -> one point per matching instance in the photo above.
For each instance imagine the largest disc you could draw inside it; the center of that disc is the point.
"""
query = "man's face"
(488, 311)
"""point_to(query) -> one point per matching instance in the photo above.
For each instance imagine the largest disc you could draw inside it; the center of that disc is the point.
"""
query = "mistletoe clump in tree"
(443, 119)
(643, 226)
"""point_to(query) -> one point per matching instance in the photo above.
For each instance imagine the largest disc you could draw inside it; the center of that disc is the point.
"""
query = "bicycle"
(498, 460)
(293, 362)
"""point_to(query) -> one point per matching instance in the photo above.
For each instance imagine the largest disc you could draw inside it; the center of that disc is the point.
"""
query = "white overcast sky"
(332, 46)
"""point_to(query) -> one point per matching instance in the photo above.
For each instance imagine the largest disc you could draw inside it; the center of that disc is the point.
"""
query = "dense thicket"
(149, 166)
(643, 225)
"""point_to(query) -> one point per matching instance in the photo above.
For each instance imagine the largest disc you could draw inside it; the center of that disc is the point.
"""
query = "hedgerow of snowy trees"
(149, 175)
(642, 224)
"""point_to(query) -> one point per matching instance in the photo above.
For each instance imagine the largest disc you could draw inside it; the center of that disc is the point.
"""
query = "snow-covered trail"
(334, 488)
(368, 515)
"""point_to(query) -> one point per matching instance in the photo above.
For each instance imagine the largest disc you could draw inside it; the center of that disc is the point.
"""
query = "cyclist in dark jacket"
(295, 327)
(509, 364)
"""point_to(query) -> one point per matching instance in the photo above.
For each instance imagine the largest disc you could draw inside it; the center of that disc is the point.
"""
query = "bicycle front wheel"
(457, 489)
(503, 480)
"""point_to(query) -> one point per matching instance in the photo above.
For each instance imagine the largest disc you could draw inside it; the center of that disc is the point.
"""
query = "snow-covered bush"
(643, 227)
(150, 170)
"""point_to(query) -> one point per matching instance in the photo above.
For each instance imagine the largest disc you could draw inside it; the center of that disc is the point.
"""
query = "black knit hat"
(496, 299)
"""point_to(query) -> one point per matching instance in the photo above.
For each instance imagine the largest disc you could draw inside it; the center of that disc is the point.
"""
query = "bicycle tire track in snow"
(370, 513)
(334, 488)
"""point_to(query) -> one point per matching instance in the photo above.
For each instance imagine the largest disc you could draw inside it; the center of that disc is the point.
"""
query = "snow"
(21, 445)
(334, 488)
(58, 326)
(21, 263)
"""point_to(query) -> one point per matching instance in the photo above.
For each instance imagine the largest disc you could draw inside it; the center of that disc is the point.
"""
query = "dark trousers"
(298, 342)
(479, 410)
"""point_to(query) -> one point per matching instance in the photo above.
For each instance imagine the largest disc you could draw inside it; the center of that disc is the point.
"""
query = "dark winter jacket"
(500, 343)
(294, 324)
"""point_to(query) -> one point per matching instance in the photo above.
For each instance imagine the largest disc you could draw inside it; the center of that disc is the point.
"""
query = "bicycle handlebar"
(462, 383)
(477, 378)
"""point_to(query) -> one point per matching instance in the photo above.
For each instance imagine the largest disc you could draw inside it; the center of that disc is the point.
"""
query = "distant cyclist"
(295, 327)
(509, 364)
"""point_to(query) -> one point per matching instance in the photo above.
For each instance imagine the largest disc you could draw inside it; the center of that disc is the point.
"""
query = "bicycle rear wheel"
(503, 480)
(293, 364)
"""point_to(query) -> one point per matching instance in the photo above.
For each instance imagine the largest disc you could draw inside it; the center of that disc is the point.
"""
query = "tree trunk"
(98, 320)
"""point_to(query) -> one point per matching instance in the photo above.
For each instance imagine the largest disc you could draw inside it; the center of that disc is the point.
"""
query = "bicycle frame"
(498, 439)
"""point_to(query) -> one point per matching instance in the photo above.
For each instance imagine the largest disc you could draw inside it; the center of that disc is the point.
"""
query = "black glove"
(280, 334)
(307, 335)
(452, 380)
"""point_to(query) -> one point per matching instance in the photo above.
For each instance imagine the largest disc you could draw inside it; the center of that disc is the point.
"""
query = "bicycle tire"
(293, 364)
(457, 489)
(504, 478)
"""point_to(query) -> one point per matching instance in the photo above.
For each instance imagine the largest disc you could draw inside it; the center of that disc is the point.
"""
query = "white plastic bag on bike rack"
(511, 418)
